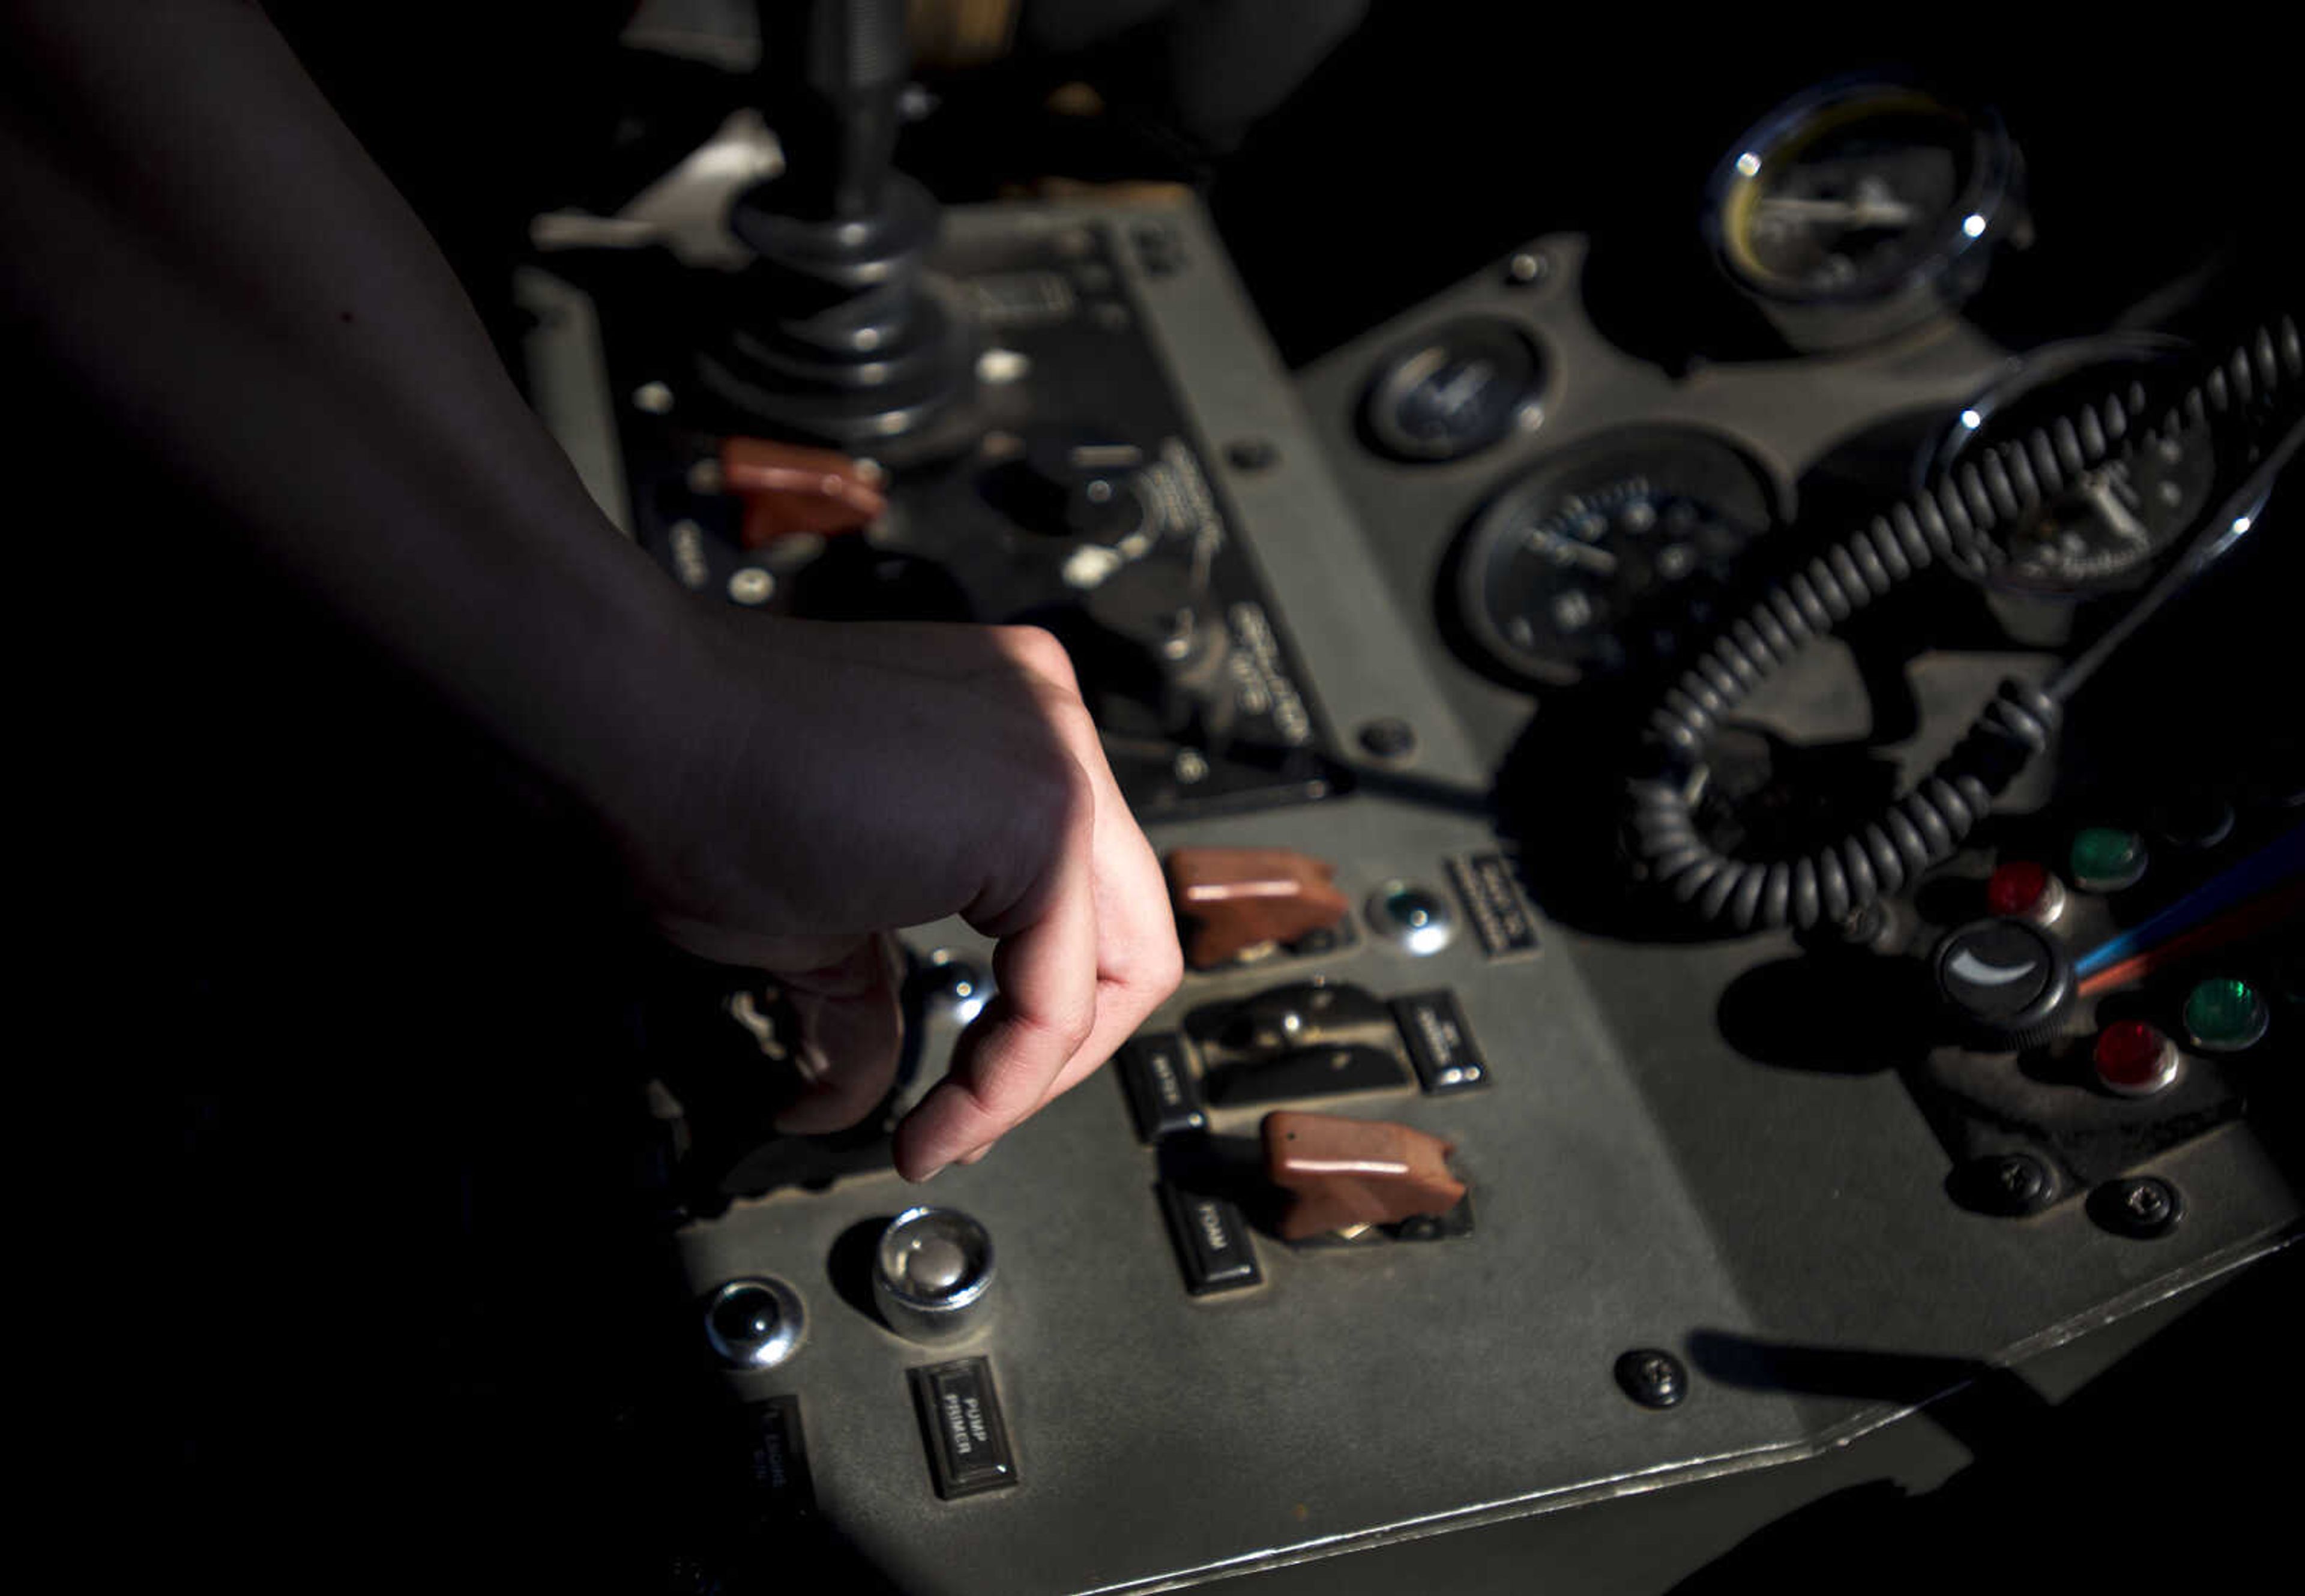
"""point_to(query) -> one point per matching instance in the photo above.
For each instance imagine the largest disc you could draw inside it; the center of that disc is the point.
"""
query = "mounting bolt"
(2011, 1184)
(1653, 1377)
(2142, 1207)
(1527, 268)
(1868, 925)
(1389, 737)
(1251, 453)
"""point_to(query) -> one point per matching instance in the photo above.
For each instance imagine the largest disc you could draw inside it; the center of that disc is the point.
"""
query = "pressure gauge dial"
(1454, 391)
(1857, 211)
(2106, 526)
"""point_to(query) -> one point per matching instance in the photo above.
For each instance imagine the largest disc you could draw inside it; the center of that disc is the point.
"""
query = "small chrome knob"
(932, 1273)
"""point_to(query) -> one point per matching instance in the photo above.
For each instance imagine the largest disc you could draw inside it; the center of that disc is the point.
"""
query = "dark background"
(1360, 154)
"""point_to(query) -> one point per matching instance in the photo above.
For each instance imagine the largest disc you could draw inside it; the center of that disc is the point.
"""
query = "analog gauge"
(1859, 210)
(2105, 526)
(1454, 391)
(1606, 555)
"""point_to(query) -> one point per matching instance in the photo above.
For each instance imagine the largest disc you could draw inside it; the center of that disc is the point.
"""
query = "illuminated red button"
(2134, 1058)
(2022, 889)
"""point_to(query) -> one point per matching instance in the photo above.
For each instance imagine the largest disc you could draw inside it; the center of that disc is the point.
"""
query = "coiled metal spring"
(1951, 518)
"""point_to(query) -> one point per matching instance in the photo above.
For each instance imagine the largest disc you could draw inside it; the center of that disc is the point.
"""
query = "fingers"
(1139, 962)
(851, 1031)
(1008, 1062)
(1061, 875)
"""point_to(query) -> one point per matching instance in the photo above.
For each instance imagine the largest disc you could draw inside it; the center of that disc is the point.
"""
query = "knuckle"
(1037, 650)
(1148, 969)
(1077, 727)
(1052, 1027)
(1062, 796)
(1165, 969)
(1064, 1029)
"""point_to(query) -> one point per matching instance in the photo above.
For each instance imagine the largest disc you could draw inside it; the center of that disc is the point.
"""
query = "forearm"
(196, 238)
(210, 253)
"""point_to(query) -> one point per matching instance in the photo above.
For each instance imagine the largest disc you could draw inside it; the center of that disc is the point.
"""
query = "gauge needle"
(1570, 552)
(2107, 503)
(1868, 212)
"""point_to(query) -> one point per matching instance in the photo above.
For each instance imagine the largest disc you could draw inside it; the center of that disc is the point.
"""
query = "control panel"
(1491, 1158)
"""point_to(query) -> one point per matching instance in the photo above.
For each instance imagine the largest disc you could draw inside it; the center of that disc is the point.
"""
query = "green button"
(2107, 858)
(2225, 1015)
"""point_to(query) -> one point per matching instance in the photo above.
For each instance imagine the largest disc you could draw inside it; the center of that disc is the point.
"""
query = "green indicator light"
(2107, 858)
(2225, 1015)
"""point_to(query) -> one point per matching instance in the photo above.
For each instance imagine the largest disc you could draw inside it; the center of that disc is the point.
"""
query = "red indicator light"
(2133, 1058)
(2017, 887)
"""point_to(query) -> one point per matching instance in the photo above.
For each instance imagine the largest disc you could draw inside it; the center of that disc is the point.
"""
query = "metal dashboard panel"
(1358, 1394)
(1636, 1181)
(1824, 1189)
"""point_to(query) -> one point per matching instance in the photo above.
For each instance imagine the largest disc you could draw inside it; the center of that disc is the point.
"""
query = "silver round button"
(932, 1273)
(754, 1323)
(1417, 919)
(937, 1267)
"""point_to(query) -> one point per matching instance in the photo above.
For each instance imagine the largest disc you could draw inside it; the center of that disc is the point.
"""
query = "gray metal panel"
(1785, 414)
(1636, 1181)
(1823, 1190)
(1357, 1395)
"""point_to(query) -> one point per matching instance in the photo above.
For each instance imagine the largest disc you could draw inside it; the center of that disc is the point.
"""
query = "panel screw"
(2143, 1206)
(1653, 1377)
(1251, 453)
(2011, 1184)
(1868, 926)
(1527, 268)
(1387, 737)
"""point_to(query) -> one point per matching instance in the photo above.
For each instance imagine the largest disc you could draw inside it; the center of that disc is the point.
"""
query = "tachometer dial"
(1604, 556)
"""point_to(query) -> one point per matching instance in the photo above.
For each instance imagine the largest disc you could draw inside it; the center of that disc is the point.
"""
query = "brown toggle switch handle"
(1230, 900)
(787, 488)
(1343, 1173)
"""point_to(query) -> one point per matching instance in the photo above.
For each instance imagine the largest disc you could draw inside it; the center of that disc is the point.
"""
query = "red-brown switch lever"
(787, 488)
(1341, 1174)
(1230, 900)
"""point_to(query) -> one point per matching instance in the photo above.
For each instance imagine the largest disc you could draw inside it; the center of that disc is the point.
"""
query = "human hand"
(831, 783)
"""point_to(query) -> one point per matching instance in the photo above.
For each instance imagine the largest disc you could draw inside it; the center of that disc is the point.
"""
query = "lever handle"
(832, 74)
(1345, 1174)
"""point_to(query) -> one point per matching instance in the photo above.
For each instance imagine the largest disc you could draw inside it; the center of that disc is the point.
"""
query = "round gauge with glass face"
(1454, 391)
(1611, 555)
(2104, 527)
(1858, 210)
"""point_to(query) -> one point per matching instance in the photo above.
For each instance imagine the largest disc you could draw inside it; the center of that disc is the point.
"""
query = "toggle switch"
(1306, 1073)
(1233, 900)
(789, 490)
(1302, 1013)
(1346, 1174)
(1302, 1040)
